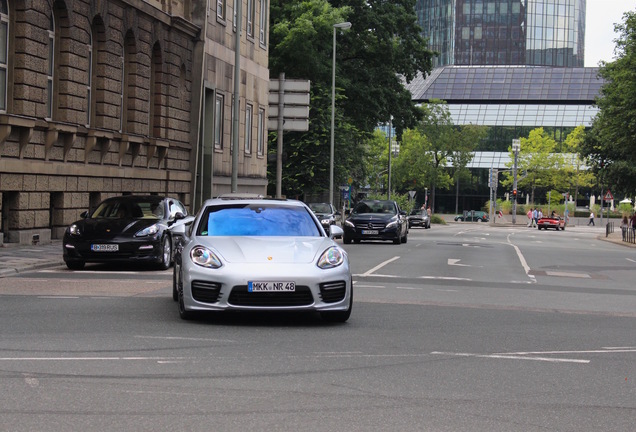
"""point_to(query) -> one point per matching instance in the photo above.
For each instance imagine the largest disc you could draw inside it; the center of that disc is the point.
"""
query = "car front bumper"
(226, 288)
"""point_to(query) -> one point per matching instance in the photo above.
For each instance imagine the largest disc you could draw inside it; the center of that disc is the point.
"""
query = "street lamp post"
(516, 146)
(344, 26)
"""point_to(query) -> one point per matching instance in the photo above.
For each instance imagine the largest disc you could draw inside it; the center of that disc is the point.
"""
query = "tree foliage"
(382, 46)
(611, 142)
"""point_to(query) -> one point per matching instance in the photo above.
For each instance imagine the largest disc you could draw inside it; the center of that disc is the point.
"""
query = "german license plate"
(369, 232)
(269, 286)
(105, 247)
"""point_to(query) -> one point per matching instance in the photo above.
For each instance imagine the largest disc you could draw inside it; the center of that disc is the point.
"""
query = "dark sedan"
(128, 228)
(419, 217)
(376, 220)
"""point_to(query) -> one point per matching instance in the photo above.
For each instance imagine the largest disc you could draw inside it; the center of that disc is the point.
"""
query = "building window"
(262, 31)
(235, 14)
(4, 53)
(218, 121)
(154, 124)
(250, 18)
(50, 69)
(220, 9)
(261, 132)
(89, 84)
(248, 129)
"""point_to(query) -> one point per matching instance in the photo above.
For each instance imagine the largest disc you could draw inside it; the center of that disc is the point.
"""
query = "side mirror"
(84, 214)
(335, 231)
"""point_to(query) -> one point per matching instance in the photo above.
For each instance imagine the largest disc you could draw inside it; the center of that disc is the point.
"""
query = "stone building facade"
(108, 97)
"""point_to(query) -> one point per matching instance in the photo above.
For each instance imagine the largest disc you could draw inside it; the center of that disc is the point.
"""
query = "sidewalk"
(16, 258)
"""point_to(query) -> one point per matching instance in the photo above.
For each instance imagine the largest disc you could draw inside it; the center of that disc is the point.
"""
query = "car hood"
(323, 215)
(110, 228)
(372, 217)
(267, 249)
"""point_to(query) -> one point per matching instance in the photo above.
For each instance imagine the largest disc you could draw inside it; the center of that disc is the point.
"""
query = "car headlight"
(332, 257)
(74, 230)
(392, 224)
(349, 224)
(151, 230)
(205, 257)
(325, 221)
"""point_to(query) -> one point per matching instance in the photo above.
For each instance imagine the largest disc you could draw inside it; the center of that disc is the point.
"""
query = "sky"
(601, 15)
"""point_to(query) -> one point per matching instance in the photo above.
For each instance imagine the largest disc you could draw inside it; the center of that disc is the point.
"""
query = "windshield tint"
(320, 207)
(257, 220)
(129, 209)
(382, 207)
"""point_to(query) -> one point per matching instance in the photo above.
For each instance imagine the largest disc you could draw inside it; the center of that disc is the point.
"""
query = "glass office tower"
(504, 32)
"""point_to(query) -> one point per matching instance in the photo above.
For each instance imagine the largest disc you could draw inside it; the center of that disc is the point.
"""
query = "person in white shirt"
(591, 222)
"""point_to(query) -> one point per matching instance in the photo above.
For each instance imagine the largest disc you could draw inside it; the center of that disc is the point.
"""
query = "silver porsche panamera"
(261, 254)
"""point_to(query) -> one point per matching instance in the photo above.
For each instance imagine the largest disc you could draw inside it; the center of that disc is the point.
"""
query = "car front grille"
(332, 292)
(371, 225)
(206, 292)
(241, 297)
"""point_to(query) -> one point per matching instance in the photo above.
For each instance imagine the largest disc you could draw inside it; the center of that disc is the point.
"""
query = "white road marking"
(455, 262)
(567, 274)
(629, 259)
(379, 266)
(418, 277)
(90, 358)
(512, 357)
(522, 259)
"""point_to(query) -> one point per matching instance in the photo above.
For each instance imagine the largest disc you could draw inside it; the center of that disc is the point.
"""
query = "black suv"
(376, 220)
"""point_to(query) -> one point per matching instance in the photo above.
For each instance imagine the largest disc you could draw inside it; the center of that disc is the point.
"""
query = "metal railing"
(609, 228)
(629, 234)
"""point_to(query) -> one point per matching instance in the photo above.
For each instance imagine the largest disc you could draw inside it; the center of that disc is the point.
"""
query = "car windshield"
(320, 207)
(129, 209)
(257, 220)
(384, 207)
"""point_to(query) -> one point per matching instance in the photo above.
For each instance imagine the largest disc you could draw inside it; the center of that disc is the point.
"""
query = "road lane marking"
(90, 358)
(512, 357)
(522, 259)
(567, 274)
(184, 338)
(379, 266)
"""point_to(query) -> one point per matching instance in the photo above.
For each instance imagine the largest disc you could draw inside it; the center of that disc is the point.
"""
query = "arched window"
(50, 68)
(155, 92)
(129, 82)
(89, 85)
(4, 53)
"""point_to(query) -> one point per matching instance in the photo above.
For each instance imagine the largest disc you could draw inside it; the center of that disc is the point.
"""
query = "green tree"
(574, 174)
(412, 168)
(611, 143)
(537, 163)
(382, 47)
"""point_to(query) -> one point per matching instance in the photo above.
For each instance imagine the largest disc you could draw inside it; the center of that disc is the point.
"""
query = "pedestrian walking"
(591, 222)
(535, 217)
(529, 214)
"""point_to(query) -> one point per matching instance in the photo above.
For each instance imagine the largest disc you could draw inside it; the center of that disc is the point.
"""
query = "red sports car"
(556, 222)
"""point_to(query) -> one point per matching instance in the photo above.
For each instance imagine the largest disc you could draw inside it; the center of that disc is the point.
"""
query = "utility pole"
(516, 146)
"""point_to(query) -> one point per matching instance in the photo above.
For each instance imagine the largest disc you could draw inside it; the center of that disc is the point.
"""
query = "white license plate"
(104, 247)
(255, 286)
(370, 232)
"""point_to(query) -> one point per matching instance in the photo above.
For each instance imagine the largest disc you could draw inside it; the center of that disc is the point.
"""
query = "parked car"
(130, 228)
(556, 222)
(376, 220)
(473, 216)
(419, 217)
(326, 214)
(261, 255)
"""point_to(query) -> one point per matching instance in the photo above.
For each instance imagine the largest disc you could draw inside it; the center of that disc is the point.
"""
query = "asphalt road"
(463, 328)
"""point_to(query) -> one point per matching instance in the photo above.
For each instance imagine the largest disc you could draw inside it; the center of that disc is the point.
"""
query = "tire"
(175, 292)
(405, 238)
(165, 256)
(339, 316)
(75, 265)
(397, 240)
(183, 313)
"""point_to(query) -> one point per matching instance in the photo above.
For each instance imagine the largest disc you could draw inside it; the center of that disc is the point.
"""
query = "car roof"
(265, 201)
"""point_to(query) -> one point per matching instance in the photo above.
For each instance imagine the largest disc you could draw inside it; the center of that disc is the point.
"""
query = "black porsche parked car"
(128, 228)
(376, 220)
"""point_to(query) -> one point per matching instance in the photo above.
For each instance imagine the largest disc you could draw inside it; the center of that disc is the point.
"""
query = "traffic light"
(514, 193)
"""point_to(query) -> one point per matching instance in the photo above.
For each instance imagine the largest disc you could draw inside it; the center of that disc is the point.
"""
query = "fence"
(629, 234)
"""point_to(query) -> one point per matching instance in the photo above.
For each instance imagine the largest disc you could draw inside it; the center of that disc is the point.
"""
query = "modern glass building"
(513, 100)
(504, 32)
